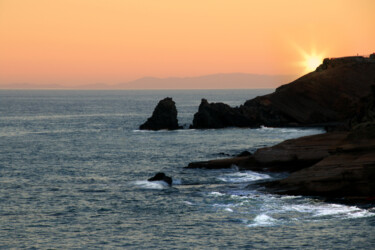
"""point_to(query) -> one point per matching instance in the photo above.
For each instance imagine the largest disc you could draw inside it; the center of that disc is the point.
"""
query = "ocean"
(74, 169)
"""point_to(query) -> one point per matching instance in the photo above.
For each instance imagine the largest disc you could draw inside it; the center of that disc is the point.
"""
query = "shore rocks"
(295, 154)
(349, 169)
(163, 117)
(339, 165)
(348, 172)
(335, 165)
(288, 156)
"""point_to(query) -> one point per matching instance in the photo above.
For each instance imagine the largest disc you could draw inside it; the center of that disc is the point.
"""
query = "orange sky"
(75, 42)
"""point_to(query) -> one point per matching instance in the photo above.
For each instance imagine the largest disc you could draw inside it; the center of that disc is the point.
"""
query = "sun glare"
(311, 61)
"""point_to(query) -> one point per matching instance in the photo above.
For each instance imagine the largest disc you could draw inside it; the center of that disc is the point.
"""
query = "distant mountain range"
(215, 81)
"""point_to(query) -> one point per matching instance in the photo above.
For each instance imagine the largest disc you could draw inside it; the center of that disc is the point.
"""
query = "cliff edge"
(329, 95)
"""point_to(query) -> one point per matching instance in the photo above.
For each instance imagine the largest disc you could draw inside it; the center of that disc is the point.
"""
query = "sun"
(311, 60)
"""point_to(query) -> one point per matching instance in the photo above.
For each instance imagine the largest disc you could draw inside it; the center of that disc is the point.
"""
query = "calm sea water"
(73, 171)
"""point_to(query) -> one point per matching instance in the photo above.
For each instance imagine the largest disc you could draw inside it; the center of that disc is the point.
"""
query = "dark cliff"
(331, 94)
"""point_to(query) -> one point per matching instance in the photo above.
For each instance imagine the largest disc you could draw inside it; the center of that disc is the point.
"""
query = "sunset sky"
(78, 42)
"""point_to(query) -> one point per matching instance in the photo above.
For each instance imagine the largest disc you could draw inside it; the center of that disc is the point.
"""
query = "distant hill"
(215, 81)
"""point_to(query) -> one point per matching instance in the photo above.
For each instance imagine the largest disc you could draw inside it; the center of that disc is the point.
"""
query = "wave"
(257, 209)
(151, 184)
(329, 210)
(263, 220)
(292, 130)
(216, 194)
(240, 177)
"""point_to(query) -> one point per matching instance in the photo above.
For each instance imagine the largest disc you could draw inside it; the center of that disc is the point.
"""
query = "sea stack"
(219, 115)
(163, 117)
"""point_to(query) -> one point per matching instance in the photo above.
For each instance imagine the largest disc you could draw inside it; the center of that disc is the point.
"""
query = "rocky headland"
(328, 96)
(339, 164)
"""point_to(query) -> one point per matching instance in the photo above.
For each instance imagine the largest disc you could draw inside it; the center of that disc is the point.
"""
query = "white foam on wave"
(188, 203)
(291, 131)
(247, 176)
(262, 127)
(239, 197)
(262, 220)
(332, 210)
(151, 184)
(289, 197)
(225, 207)
(148, 131)
(216, 194)
(139, 131)
(160, 131)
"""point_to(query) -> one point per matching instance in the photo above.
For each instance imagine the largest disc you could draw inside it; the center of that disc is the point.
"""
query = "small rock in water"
(161, 177)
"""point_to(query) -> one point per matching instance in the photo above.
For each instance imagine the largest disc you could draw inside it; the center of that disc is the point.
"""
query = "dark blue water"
(73, 171)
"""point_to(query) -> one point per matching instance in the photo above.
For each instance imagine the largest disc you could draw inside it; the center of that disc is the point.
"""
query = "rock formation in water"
(163, 117)
(219, 115)
(161, 177)
(329, 95)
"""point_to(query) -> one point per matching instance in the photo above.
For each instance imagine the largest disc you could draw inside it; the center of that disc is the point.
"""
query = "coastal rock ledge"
(336, 165)
(163, 117)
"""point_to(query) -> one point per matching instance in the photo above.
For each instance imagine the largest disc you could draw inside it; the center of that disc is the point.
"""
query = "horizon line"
(122, 85)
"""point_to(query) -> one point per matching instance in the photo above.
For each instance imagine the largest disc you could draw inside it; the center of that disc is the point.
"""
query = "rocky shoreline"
(339, 164)
(335, 165)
